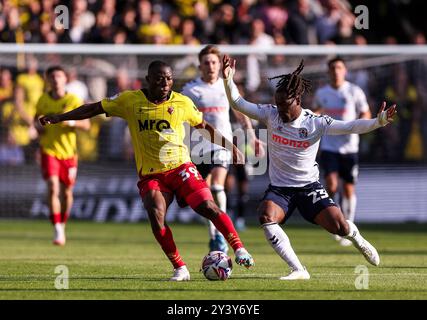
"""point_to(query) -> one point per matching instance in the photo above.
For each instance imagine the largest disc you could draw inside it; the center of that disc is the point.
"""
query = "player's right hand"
(51, 119)
(228, 67)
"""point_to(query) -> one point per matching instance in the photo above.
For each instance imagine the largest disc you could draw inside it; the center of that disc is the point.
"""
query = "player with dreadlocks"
(294, 134)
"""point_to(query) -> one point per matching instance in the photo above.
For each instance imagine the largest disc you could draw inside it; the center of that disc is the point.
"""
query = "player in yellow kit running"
(58, 149)
(155, 117)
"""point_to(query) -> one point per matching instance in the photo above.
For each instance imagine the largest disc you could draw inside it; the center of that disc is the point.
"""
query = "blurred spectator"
(345, 28)
(419, 38)
(87, 141)
(12, 31)
(226, 31)
(188, 29)
(79, 9)
(328, 24)
(404, 93)
(174, 24)
(76, 32)
(144, 12)
(275, 16)
(301, 24)
(20, 113)
(6, 85)
(129, 25)
(261, 39)
(76, 86)
(204, 23)
(155, 32)
(10, 153)
(102, 31)
(113, 131)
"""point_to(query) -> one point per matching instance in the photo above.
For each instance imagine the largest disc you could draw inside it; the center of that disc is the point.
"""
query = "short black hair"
(157, 64)
(336, 59)
(52, 69)
(293, 84)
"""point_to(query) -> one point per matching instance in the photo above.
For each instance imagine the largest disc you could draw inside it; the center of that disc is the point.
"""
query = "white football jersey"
(345, 103)
(210, 99)
(292, 146)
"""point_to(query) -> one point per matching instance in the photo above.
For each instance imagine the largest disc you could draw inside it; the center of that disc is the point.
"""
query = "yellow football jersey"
(157, 131)
(58, 140)
(18, 128)
(33, 85)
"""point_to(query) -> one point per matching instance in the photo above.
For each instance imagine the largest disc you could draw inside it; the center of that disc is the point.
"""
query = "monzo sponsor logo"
(158, 125)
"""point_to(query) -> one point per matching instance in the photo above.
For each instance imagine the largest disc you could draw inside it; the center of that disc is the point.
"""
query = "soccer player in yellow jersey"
(58, 149)
(155, 117)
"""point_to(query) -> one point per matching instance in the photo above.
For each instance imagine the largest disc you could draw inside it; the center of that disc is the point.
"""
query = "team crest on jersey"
(171, 110)
(303, 133)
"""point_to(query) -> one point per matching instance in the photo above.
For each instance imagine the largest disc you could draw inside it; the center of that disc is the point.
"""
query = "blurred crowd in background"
(189, 22)
(211, 21)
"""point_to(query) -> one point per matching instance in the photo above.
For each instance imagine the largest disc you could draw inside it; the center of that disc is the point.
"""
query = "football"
(216, 265)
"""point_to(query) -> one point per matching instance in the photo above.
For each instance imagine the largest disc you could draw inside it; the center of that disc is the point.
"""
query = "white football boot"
(180, 274)
(297, 275)
(59, 235)
(368, 250)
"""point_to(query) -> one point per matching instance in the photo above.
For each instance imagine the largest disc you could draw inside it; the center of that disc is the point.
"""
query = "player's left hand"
(385, 116)
(238, 156)
(228, 67)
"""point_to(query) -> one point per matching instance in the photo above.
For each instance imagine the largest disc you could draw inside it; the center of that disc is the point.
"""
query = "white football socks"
(348, 207)
(278, 239)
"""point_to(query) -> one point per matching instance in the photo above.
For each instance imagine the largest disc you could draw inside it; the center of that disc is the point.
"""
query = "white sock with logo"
(278, 239)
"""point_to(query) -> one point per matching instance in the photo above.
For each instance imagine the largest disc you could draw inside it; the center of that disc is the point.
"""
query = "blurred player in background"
(294, 135)
(213, 161)
(156, 117)
(346, 101)
(29, 88)
(58, 149)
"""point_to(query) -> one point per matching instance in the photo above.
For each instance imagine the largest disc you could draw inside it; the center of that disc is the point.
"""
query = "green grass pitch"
(123, 261)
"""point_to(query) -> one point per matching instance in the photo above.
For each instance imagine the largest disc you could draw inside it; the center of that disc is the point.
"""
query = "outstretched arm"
(359, 126)
(85, 111)
(252, 110)
(214, 136)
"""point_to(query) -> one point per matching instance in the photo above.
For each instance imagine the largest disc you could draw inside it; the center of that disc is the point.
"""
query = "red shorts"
(66, 169)
(185, 182)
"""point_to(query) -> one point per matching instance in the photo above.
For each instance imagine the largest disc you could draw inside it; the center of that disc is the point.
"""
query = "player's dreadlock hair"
(292, 83)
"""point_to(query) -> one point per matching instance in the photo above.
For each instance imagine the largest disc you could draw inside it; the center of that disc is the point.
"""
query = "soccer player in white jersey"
(208, 94)
(341, 100)
(294, 135)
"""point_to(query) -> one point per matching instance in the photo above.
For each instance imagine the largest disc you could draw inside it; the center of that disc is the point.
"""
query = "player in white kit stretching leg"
(212, 161)
(341, 100)
(294, 135)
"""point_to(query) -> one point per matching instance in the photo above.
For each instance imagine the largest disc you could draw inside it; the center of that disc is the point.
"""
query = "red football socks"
(165, 239)
(64, 217)
(55, 218)
(224, 224)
